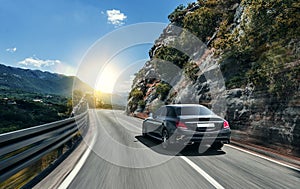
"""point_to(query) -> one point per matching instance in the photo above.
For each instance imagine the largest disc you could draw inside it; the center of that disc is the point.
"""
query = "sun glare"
(107, 79)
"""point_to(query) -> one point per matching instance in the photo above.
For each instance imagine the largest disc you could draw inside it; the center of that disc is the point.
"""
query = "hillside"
(37, 81)
(32, 97)
(246, 68)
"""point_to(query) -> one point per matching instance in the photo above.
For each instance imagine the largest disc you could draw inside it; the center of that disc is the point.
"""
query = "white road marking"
(65, 184)
(203, 173)
(263, 157)
(76, 169)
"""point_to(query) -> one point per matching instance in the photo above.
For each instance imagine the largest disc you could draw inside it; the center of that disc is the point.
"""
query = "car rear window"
(193, 111)
(171, 112)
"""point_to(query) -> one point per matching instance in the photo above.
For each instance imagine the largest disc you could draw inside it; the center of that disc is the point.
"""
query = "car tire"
(217, 145)
(165, 139)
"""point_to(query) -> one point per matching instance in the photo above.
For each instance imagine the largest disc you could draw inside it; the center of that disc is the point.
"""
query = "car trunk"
(202, 123)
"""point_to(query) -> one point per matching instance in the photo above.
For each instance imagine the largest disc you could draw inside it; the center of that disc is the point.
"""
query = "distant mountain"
(114, 99)
(38, 81)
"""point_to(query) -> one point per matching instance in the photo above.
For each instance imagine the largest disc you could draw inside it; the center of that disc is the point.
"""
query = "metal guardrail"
(20, 149)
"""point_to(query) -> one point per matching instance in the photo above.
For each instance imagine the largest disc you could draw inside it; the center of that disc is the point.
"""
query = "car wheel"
(217, 145)
(165, 137)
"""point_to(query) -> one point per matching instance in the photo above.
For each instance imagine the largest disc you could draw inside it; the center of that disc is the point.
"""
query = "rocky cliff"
(240, 58)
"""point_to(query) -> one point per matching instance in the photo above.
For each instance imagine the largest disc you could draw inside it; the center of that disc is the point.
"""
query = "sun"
(107, 79)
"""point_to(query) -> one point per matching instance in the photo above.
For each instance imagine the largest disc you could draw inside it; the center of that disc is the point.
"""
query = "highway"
(122, 158)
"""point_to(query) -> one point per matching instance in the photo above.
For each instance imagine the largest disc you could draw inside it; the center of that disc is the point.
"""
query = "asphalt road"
(122, 158)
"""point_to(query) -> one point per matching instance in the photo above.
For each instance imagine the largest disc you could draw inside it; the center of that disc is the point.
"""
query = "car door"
(159, 121)
(155, 123)
(152, 122)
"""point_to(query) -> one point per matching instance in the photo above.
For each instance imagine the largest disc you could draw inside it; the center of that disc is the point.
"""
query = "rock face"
(257, 112)
(264, 120)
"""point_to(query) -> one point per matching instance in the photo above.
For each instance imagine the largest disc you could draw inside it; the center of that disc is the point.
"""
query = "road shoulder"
(286, 159)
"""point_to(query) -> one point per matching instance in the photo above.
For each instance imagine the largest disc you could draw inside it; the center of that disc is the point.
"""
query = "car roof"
(184, 105)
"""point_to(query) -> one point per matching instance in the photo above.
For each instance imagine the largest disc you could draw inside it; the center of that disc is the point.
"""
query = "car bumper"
(190, 137)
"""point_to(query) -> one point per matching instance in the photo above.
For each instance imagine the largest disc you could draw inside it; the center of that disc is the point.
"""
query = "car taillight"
(226, 125)
(180, 124)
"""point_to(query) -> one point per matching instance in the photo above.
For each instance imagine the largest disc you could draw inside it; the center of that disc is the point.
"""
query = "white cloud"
(115, 17)
(36, 62)
(65, 69)
(11, 50)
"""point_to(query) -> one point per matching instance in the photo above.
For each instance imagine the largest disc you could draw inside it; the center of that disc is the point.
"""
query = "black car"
(187, 124)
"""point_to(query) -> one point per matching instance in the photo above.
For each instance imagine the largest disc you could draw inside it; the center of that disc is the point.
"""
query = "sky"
(55, 35)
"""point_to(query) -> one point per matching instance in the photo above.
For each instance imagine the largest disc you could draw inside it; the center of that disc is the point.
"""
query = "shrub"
(202, 22)
(172, 55)
(163, 89)
(142, 103)
(190, 70)
(177, 15)
(136, 94)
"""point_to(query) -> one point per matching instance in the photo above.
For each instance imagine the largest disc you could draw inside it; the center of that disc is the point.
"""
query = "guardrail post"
(69, 144)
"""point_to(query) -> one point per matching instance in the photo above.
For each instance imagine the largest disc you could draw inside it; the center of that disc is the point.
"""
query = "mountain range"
(37, 81)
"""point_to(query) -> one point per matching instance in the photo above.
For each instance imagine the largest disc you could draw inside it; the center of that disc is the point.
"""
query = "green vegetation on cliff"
(162, 89)
(172, 55)
(257, 40)
(256, 45)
